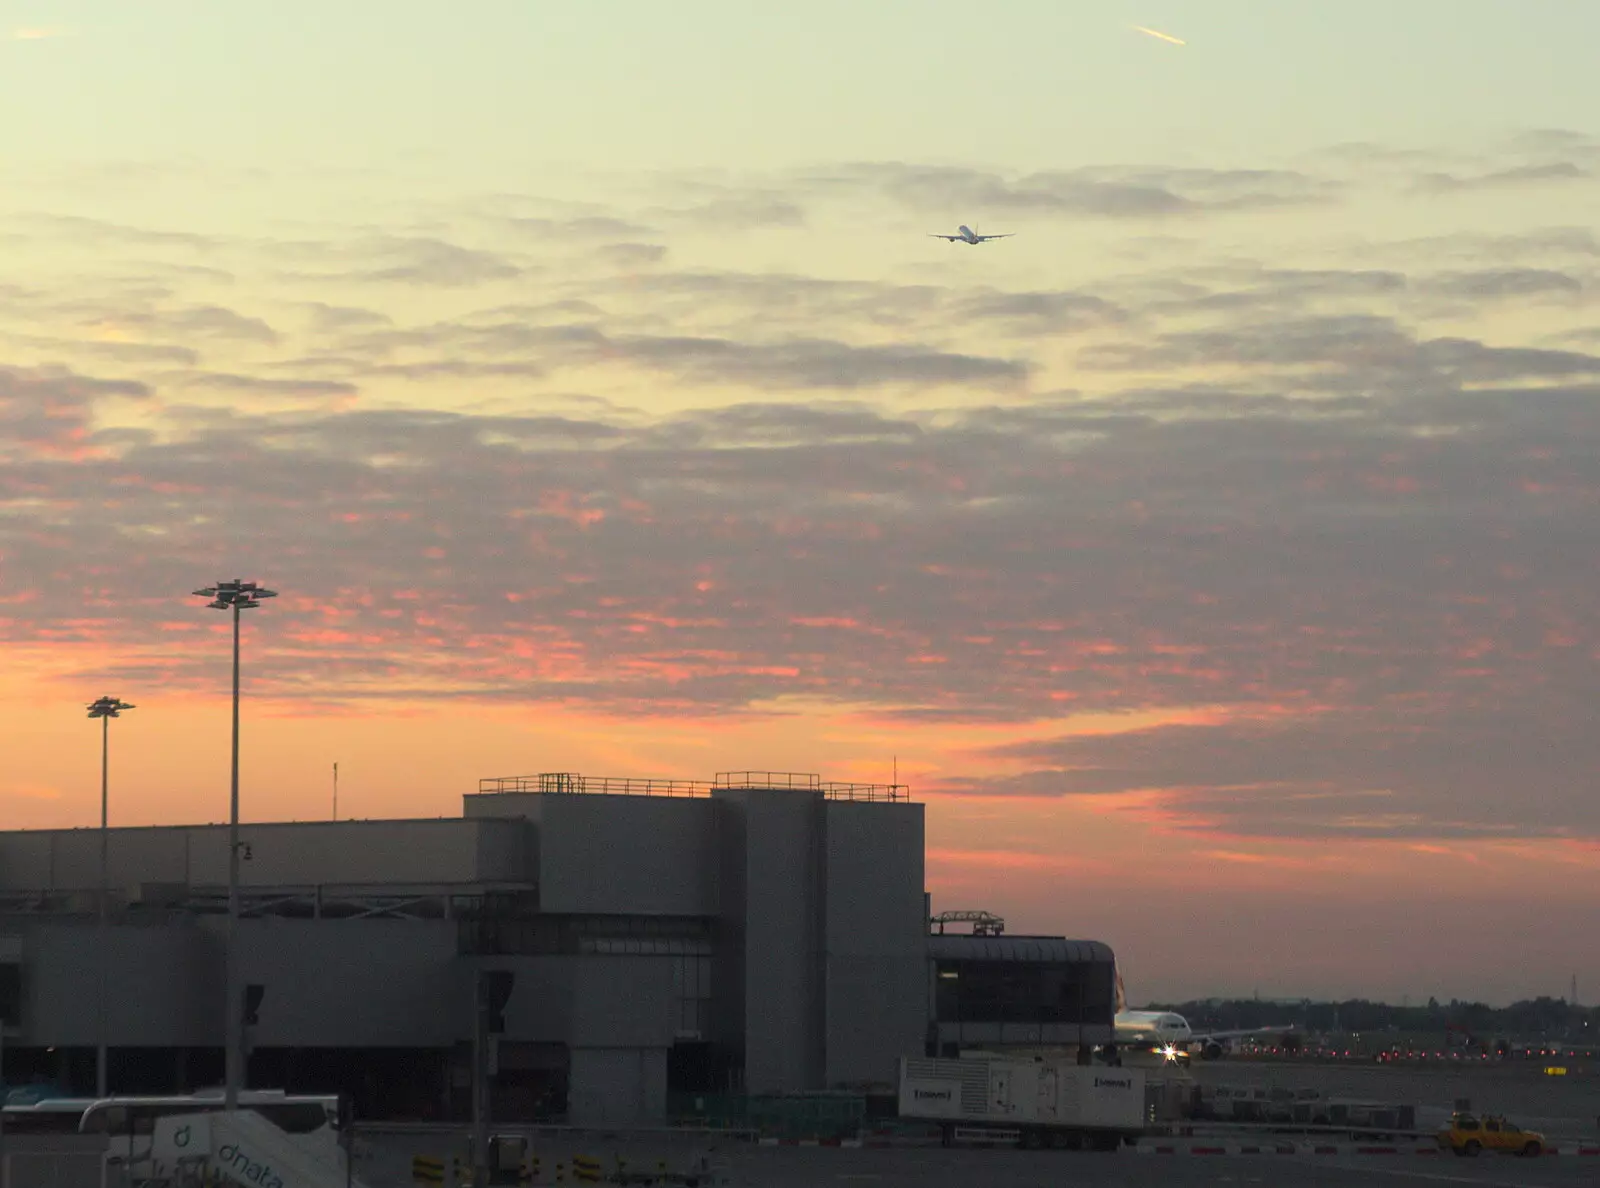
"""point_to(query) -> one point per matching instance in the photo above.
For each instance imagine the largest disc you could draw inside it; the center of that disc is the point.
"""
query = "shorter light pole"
(105, 709)
(492, 990)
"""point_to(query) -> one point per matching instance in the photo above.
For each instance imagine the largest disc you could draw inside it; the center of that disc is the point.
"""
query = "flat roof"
(1035, 949)
(344, 822)
(563, 783)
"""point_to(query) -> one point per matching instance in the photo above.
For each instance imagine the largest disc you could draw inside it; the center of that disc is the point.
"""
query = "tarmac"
(1565, 1108)
(750, 1166)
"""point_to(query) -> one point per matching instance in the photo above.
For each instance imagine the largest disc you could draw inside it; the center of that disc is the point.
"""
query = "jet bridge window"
(10, 992)
(1021, 992)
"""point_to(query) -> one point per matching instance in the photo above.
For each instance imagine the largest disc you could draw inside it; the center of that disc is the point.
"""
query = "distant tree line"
(1474, 1022)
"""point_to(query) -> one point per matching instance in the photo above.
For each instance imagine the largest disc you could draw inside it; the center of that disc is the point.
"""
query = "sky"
(1215, 559)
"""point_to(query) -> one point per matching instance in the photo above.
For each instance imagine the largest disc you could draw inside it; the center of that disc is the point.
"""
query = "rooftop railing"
(838, 791)
(767, 779)
(560, 782)
(568, 782)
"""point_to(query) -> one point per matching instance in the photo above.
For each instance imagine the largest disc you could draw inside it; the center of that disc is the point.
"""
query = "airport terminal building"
(762, 933)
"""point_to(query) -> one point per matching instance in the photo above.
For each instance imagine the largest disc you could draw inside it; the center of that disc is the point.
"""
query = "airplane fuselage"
(1155, 1028)
(967, 233)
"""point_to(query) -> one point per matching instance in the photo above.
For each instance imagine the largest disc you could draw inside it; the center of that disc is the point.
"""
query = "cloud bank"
(1313, 528)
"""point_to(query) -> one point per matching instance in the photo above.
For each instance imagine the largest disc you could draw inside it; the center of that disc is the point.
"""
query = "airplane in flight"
(965, 234)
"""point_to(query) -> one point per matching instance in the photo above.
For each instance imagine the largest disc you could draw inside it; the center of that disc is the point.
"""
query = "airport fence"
(54, 1169)
(783, 1116)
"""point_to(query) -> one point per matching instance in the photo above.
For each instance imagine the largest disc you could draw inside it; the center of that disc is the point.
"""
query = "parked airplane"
(1169, 1031)
(966, 234)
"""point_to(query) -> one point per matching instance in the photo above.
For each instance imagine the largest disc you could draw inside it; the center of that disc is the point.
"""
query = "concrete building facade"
(761, 932)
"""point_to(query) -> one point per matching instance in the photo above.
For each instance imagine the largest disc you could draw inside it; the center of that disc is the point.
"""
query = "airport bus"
(130, 1122)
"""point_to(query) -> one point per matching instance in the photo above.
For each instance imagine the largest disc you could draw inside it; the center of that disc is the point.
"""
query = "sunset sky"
(1217, 559)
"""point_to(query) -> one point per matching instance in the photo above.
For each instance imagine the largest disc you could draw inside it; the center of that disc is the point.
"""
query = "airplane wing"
(1199, 1037)
(1007, 235)
(936, 235)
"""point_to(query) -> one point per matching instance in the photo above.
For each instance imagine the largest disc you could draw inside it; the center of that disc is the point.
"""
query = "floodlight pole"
(105, 709)
(236, 595)
(233, 1059)
(101, 1054)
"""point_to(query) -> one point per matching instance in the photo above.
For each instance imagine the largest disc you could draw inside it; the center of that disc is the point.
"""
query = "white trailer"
(1035, 1103)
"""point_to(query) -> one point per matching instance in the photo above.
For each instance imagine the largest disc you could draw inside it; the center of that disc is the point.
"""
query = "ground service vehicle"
(129, 1123)
(1036, 1102)
(1468, 1134)
(241, 1148)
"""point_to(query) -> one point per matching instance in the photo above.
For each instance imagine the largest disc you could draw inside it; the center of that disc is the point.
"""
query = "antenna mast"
(335, 791)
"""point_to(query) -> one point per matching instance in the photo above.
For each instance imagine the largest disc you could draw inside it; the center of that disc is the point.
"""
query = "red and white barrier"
(1219, 1148)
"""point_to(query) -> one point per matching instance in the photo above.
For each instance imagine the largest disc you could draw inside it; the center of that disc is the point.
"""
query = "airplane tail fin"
(1122, 996)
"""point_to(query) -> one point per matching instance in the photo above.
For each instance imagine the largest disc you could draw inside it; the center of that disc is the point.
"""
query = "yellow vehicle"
(1468, 1134)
